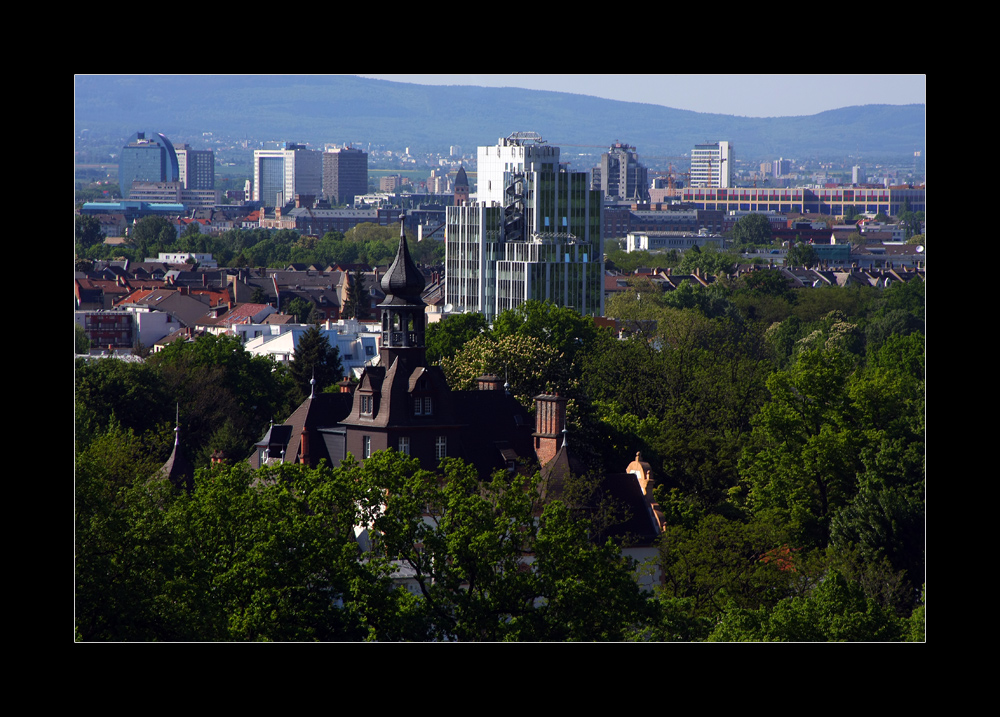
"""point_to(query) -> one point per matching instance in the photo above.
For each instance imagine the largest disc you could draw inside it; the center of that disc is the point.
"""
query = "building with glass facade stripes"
(146, 159)
(829, 201)
(532, 232)
(280, 174)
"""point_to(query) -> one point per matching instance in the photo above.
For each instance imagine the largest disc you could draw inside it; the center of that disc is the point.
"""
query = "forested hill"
(343, 108)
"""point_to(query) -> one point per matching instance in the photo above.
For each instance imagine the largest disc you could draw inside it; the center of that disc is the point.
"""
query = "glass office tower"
(145, 159)
(534, 232)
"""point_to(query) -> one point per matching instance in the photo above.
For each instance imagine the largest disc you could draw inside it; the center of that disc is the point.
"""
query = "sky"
(741, 95)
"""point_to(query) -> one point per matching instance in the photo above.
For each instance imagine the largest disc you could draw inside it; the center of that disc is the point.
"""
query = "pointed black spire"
(403, 280)
(403, 310)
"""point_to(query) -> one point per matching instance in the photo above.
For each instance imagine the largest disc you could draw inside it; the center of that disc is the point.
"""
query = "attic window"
(367, 404)
(423, 406)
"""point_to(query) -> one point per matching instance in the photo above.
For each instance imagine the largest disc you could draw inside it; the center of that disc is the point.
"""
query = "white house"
(358, 342)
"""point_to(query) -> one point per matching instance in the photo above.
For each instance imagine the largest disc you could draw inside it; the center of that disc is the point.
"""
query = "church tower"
(461, 188)
(404, 320)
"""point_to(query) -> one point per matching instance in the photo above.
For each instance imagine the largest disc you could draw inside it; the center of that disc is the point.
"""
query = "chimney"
(304, 447)
(550, 419)
(489, 382)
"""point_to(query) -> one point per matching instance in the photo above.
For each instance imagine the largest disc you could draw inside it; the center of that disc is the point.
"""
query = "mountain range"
(318, 109)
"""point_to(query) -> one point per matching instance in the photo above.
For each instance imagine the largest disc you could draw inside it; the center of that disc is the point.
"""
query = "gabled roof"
(323, 410)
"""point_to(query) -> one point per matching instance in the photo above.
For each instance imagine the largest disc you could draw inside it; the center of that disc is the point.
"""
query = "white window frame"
(404, 445)
(366, 446)
(440, 447)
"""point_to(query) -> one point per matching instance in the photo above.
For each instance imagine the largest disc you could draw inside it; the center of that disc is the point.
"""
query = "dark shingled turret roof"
(402, 283)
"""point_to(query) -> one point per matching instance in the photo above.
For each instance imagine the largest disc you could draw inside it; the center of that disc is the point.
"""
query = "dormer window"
(423, 406)
(367, 404)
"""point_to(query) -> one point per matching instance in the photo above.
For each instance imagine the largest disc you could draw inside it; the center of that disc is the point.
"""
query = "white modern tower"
(712, 165)
(280, 174)
(533, 232)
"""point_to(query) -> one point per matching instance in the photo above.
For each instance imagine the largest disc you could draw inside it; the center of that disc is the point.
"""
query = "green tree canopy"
(315, 358)
(752, 229)
(88, 231)
(445, 338)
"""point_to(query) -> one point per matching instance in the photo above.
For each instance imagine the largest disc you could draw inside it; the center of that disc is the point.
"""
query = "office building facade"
(712, 165)
(345, 175)
(146, 159)
(196, 167)
(533, 232)
(280, 174)
(621, 177)
(831, 201)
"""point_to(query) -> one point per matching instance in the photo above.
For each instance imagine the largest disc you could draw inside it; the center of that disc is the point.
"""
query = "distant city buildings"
(345, 175)
(831, 201)
(280, 174)
(534, 232)
(196, 167)
(621, 177)
(146, 159)
(712, 165)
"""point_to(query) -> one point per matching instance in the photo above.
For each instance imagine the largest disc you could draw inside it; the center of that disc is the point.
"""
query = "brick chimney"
(550, 419)
(489, 382)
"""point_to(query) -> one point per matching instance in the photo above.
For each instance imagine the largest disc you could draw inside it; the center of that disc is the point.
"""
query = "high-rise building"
(712, 165)
(534, 232)
(280, 174)
(620, 176)
(146, 159)
(196, 167)
(781, 166)
(345, 175)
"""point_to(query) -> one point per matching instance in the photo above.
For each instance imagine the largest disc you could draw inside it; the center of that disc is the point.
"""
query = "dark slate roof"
(403, 282)
(178, 469)
(495, 429)
(324, 410)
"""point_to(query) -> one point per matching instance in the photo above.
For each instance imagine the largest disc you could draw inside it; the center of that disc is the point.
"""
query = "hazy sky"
(746, 95)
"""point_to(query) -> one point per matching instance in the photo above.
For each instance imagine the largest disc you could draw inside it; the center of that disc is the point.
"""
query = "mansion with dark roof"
(406, 405)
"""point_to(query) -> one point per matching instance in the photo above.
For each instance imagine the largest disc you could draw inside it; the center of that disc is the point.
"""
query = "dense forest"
(785, 428)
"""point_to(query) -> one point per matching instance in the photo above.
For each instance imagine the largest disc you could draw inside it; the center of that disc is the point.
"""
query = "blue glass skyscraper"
(143, 159)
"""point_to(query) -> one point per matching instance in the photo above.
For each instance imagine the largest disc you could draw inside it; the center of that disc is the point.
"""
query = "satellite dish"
(920, 249)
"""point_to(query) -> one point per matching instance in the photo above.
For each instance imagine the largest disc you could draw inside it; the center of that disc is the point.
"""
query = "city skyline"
(737, 95)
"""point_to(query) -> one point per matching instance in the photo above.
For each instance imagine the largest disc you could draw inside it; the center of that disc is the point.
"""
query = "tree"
(315, 358)
(357, 304)
(88, 232)
(529, 365)
(445, 338)
(250, 555)
(301, 309)
(152, 230)
(708, 260)
(802, 461)
(563, 328)
(801, 255)
(489, 569)
(836, 611)
(134, 394)
(222, 388)
(82, 343)
(752, 229)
